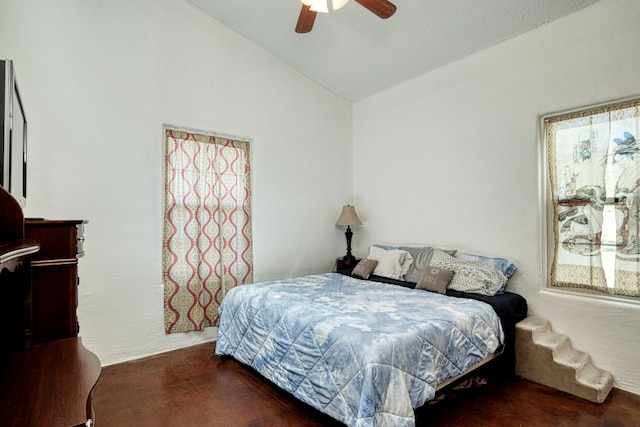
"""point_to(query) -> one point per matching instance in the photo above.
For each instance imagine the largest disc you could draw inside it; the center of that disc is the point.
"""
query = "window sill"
(585, 293)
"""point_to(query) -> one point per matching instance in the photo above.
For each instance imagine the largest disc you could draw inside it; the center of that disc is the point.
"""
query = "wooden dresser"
(54, 272)
(46, 374)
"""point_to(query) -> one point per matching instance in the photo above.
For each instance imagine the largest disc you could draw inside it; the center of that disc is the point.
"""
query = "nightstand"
(343, 264)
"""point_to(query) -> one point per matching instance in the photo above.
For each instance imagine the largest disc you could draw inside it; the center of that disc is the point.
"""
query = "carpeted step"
(572, 357)
(548, 358)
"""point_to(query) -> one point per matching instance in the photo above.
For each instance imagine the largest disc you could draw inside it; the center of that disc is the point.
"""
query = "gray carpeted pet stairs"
(547, 358)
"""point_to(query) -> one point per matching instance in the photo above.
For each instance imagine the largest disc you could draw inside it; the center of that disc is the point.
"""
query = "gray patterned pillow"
(470, 276)
(364, 268)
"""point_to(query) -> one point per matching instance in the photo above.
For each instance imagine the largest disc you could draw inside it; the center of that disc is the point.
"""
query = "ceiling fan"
(310, 8)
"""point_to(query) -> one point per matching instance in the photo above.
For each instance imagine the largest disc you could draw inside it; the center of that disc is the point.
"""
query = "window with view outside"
(593, 165)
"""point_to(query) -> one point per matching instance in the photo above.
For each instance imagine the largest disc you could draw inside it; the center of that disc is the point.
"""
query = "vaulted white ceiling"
(355, 54)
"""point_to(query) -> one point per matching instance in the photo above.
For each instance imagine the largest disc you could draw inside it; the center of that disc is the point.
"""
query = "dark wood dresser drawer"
(58, 239)
(54, 280)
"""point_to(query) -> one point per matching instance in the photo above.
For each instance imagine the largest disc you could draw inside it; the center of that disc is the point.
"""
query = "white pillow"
(392, 263)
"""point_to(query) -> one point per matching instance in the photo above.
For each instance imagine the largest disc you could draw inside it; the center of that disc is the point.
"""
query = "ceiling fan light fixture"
(337, 4)
(323, 5)
(317, 5)
(310, 8)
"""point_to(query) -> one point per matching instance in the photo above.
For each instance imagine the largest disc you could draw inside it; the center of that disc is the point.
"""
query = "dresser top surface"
(37, 221)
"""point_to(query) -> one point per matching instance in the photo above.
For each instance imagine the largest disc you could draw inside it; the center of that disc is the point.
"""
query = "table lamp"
(349, 217)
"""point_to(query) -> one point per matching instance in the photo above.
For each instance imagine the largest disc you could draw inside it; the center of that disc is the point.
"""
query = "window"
(207, 248)
(593, 165)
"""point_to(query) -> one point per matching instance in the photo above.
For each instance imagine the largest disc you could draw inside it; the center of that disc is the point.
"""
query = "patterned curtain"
(594, 177)
(207, 246)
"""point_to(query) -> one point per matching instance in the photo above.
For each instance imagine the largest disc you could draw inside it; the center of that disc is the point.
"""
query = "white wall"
(451, 158)
(99, 79)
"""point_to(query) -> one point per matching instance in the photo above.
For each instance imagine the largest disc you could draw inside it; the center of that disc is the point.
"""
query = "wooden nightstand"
(343, 264)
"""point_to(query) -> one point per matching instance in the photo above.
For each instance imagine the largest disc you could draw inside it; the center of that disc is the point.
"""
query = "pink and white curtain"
(207, 247)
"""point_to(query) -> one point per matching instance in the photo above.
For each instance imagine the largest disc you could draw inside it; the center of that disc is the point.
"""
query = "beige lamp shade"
(348, 216)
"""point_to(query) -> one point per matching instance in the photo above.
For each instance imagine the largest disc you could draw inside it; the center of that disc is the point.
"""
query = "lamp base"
(350, 259)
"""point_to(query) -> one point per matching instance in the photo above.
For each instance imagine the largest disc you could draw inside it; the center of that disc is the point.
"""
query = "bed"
(366, 353)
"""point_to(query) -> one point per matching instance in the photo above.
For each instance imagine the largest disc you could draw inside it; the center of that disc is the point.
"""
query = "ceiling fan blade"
(306, 19)
(383, 8)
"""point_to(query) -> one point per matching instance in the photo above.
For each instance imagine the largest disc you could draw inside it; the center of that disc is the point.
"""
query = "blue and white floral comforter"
(365, 353)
